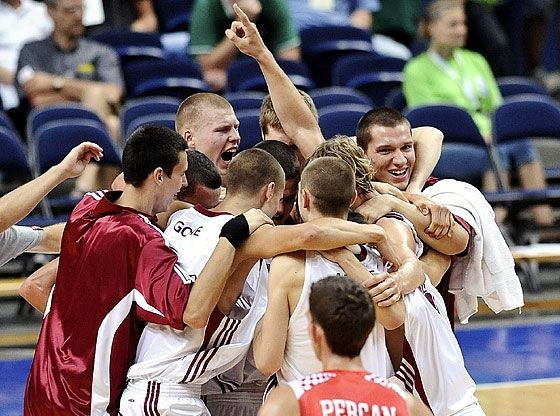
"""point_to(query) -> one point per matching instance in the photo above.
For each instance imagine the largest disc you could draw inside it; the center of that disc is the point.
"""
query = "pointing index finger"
(241, 14)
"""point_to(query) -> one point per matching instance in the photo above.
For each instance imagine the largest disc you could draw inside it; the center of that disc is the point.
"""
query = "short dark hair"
(332, 183)
(268, 117)
(252, 169)
(380, 116)
(285, 155)
(149, 147)
(202, 172)
(344, 310)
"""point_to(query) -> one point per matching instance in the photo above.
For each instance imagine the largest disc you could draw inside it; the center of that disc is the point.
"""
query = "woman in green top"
(447, 73)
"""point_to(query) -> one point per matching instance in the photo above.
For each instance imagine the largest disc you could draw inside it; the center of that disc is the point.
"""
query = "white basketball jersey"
(194, 356)
(447, 385)
(299, 358)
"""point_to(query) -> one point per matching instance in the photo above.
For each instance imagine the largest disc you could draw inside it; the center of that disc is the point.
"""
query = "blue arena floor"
(494, 353)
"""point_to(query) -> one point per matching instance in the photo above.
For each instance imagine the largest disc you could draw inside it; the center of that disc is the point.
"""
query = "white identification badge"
(322, 4)
(93, 12)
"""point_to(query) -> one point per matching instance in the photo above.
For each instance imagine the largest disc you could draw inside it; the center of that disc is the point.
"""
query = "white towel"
(488, 270)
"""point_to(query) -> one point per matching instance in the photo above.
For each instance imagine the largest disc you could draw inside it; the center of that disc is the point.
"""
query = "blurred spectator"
(136, 15)
(67, 67)
(211, 18)
(487, 36)
(398, 19)
(357, 13)
(21, 21)
(447, 73)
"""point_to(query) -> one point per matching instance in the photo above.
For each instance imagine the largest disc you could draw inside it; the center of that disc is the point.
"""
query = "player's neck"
(236, 204)
(138, 199)
(336, 362)
(314, 214)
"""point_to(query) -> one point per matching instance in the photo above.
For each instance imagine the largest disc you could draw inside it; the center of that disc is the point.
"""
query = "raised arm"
(319, 234)
(17, 204)
(435, 264)
(296, 118)
(286, 273)
(427, 146)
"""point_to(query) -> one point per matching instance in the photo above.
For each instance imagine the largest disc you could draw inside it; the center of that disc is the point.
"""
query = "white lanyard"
(464, 81)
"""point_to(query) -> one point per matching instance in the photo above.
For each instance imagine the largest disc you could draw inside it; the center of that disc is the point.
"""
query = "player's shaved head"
(252, 169)
(331, 182)
(191, 112)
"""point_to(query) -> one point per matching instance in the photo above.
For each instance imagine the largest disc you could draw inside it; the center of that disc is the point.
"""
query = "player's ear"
(354, 198)
(305, 198)
(270, 190)
(157, 175)
(187, 135)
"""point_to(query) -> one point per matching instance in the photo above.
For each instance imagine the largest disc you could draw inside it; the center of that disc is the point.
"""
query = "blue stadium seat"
(59, 112)
(458, 129)
(249, 128)
(166, 77)
(245, 75)
(132, 46)
(138, 107)
(173, 15)
(323, 97)
(374, 75)
(396, 99)
(6, 122)
(341, 119)
(510, 86)
(323, 45)
(245, 100)
(162, 119)
(13, 157)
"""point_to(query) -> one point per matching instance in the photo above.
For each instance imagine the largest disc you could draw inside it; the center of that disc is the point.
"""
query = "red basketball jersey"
(348, 393)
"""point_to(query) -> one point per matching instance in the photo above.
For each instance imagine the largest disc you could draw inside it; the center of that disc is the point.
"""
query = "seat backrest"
(162, 119)
(136, 73)
(6, 122)
(245, 100)
(323, 97)
(510, 86)
(245, 75)
(132, 45)
(249, 128)
(42, 115)
(348, 67)
(13, 155)
(396, 99)
(463, 162)
(341, 119)
(456, 124)
(55, 139)
(139, 107)
(173, 15)
(526, 116)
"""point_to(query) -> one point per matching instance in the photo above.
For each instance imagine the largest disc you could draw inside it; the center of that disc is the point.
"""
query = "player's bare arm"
(50, 242)
(296, 118)
(452, 243)
(409, 274)
(319, 234)
(37, 287)
(209, 285)
(385, 291)
(427, 146)
(17, 204)
(280, 402)
(435, 265)
(285, 282)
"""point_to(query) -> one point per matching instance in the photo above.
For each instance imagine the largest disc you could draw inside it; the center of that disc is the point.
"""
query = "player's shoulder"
(384, 383)
(313, 380)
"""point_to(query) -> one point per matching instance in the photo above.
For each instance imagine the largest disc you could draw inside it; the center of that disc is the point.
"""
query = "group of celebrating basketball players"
(318, 283)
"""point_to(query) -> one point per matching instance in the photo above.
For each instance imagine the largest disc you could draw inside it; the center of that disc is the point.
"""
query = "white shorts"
(244, 401)
(149, 398)
(472, 409)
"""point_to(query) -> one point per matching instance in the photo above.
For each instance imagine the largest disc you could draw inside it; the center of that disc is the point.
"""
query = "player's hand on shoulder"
(256, 218)
(383, 289)
(441, 219)
(376, 207)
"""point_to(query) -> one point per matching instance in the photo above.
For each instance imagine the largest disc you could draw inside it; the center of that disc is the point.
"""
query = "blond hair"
(192, 110)
(343, 147)
(268, 117)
